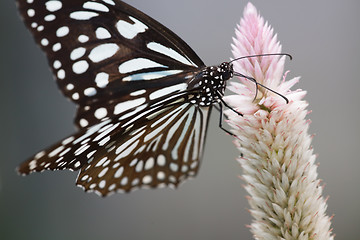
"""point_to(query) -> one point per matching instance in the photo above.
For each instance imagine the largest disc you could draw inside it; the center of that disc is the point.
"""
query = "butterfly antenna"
(259, 84)
(263, 55)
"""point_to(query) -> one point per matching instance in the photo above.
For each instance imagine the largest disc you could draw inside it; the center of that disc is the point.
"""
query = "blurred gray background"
(323, 36)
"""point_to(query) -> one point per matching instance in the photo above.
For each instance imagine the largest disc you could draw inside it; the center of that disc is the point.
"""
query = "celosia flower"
(276, 154)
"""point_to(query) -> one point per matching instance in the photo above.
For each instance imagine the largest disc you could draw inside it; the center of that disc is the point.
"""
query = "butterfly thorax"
(209, 85)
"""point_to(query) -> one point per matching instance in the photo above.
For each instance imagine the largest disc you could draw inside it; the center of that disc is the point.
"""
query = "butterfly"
(143, 95)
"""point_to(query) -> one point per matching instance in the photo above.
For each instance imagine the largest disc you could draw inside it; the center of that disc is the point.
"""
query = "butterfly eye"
(226, 70)
(227, 74)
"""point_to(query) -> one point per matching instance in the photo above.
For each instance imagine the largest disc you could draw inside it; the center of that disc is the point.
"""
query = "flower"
(276, 155)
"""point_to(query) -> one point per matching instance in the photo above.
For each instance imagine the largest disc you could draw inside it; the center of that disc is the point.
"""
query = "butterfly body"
(144, 97)
(210, 84)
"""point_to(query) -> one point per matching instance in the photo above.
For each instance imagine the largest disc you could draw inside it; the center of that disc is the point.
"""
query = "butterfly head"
(210, 84)
(226, 70)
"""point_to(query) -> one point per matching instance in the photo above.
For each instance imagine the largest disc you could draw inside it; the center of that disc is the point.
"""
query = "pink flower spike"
(277, 158)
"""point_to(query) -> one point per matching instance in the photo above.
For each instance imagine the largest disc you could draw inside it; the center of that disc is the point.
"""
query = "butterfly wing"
(162, 146)
(106, 52)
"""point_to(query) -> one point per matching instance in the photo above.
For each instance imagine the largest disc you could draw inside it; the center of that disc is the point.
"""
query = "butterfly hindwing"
(164, 151)
(161, 147)
(71, 153)
(101, 51)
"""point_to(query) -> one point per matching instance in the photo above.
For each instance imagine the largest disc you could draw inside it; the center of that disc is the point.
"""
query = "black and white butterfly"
(144, 97)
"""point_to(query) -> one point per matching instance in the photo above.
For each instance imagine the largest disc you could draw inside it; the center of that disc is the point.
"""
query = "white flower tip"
(250, 9)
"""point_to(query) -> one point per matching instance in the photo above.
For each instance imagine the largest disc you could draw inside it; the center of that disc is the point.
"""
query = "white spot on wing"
(102, 184)
(174, 167)
(32, 164)
(147, 179)
(137, 93)
(102, 33)
(123, 106)
(184, 131)
(90, 91)
(157, 47)
(70, 86)
(102, 79)
(56, 47)
(57, 64)
(96, 6)
(151, 75)
(103, 52)
(83, 15)
(135, 182)
(90, 154)
(31, 12)
(173, 129)
(68, 140)
(101, 162)
(128, 30)
(104, 141)
(106, 133)
(84, 177)
(193, 165)
(83, 38)
(53, 5)
(44, 42)
(138, 64)
(57, 150)
(119, 172)
(139, 166)
(124, 181)
(80, 67)
(75, 96)
(50, 17)
(138, 109)
(127, 151)
(160, 175)
(103, 172)
(61, 74)
(62, 31)
(161, 161)
(155, 131)
(149, 163)
(91, 131)
(133, 162)
(77, 53)
(100, 113)
(167, 91)
(83, 122)
(111, 2)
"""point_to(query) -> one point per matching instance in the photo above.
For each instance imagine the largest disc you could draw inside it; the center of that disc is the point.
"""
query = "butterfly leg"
(227, 105)
(217, 108)
(221, 110)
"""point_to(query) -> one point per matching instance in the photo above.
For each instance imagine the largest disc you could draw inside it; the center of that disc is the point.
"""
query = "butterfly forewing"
(106, 52)
(135, 102)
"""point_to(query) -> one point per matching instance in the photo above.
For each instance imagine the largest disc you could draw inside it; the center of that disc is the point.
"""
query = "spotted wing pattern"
(132, 79)
(161, 147)
(105, 52)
